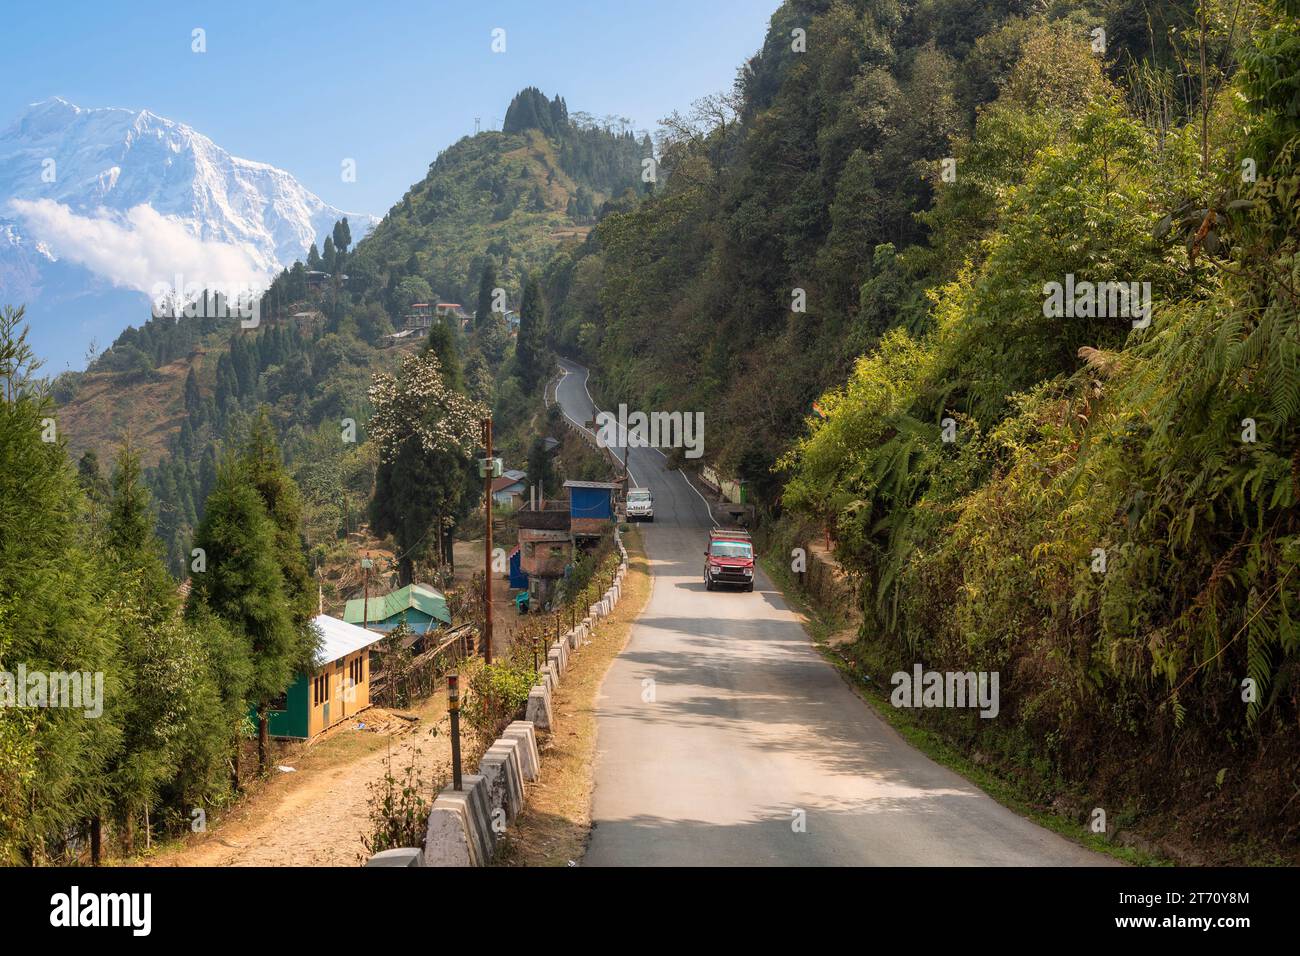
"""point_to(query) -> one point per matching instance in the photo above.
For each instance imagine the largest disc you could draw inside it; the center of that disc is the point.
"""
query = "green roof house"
(419, 606)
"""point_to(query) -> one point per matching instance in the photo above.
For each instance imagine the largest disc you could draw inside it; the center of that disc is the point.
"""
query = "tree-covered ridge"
(507, 197)
(792, 211)
(491, 208)
(1101, 508)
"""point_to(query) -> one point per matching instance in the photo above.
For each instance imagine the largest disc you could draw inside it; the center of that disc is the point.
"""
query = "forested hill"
(507, 197)
(178, 388)
(1096, 499)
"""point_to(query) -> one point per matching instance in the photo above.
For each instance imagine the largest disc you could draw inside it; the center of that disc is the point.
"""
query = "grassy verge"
(822, 624)
(555, 824)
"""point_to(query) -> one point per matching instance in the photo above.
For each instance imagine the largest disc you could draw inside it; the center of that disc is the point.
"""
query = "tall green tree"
(52, 759)
(264, 466)
(530, 348)
(486, 284)
(342, 236)
(426, 432)
(243, 584)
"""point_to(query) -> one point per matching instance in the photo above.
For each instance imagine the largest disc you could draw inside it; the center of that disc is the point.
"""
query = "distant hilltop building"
(419, 316)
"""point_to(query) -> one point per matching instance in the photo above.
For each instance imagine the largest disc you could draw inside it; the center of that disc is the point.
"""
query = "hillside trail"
(318, 814)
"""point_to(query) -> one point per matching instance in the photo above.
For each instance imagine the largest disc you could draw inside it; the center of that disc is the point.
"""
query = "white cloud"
(141, 249)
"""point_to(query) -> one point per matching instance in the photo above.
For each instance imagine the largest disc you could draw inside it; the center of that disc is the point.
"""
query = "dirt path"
(316, 816)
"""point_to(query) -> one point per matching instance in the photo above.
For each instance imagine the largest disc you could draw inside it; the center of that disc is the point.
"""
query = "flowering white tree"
(417, 404)
(427, 432)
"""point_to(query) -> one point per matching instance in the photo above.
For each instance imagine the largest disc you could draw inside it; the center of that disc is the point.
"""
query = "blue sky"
(389, 84)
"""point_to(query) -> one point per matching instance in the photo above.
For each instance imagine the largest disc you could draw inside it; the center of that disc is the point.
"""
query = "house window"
(356, 671)
(320, 690)
(279, 704)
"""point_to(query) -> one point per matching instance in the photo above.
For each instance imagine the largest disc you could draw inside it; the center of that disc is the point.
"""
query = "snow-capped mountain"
(125, 199)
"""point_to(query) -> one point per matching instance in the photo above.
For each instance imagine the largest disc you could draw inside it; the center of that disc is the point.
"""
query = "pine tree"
(160, 664)
(244, 587)
(90, 476)
(193, 398)
(52, 759)
(129, 536)
(441, 341)
(530, 349)
(262, 463)
(486, 284)
(342, 236)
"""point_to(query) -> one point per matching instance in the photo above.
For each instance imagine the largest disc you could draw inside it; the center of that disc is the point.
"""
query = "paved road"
(750, 731)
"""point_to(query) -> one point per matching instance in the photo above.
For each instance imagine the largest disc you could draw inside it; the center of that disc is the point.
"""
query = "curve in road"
(723, 737)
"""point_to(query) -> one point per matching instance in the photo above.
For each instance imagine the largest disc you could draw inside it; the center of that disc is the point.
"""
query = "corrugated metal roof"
(419, 596)
(607, 485)
(339, 639)
(504, 482)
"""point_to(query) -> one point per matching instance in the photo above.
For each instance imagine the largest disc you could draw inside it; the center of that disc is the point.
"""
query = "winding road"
(725, 739)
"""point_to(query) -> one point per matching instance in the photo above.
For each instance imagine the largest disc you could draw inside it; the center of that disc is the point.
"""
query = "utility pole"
(487, 540)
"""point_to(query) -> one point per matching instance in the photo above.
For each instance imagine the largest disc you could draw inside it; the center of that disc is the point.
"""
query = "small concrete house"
(419, 606)
(337, 688)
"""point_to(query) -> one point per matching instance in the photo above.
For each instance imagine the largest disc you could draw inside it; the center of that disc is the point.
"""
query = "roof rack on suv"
(730, 534)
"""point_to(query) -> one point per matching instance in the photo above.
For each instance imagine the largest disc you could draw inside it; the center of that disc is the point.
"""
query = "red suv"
(729, 560)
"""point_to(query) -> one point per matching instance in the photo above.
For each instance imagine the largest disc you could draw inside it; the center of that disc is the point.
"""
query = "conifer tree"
(264, 466)
(530, 349)
(52, 759)
(243, 584)
(486, 284)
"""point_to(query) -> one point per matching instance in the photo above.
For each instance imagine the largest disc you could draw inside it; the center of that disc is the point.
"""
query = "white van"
(640, 505)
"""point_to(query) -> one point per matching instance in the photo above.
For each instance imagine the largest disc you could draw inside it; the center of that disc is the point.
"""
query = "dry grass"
(106, 409)
(556, 822)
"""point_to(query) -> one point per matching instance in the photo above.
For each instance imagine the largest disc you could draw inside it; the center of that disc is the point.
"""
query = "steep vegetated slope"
(1098, 507)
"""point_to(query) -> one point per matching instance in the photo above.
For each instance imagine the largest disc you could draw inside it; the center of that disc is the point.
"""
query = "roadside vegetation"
(1098, 507)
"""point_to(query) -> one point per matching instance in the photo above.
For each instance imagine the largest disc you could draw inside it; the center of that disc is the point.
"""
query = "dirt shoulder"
(556, 822)
(317, 814)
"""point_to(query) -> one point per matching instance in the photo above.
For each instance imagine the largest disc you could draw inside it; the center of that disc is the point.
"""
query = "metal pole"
(487, 545)
(453, 708)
